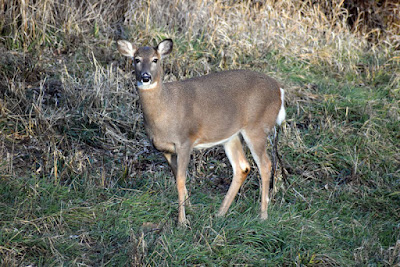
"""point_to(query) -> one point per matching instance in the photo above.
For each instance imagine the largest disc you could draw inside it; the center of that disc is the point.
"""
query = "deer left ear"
(165, 47)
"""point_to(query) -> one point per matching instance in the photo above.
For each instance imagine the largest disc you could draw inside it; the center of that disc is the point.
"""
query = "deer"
(220, 108)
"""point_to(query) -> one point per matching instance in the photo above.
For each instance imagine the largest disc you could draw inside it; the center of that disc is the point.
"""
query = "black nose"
(146, 77)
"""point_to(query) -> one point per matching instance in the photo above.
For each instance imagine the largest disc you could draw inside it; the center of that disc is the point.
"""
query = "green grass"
(49, 224)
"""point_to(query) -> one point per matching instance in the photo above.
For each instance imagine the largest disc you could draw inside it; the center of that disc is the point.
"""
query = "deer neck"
(152, 102)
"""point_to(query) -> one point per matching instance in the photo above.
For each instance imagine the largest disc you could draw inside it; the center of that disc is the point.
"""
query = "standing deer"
(206, 111)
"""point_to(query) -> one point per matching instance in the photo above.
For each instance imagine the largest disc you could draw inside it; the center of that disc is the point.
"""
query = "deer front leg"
(172, 162)
(183, 156)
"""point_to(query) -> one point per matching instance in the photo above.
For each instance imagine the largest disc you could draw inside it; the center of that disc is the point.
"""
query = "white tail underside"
(282, 112)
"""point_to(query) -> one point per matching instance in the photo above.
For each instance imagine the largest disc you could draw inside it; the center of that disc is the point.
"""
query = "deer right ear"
(165, 47)
(126, 48)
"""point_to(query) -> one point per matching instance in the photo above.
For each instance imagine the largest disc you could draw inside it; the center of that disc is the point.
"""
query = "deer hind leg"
(256, 141)
(241, 168)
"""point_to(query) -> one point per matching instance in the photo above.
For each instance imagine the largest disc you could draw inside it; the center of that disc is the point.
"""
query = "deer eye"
(137, 60)
(155, 60)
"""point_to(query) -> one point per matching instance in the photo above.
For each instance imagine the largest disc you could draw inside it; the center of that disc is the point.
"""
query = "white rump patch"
(282, 112)
(146, 86)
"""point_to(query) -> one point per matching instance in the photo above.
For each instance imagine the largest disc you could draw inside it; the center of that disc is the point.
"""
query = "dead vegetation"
(57, 82)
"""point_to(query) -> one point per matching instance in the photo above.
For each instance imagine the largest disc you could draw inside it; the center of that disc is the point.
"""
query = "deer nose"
(146, 77)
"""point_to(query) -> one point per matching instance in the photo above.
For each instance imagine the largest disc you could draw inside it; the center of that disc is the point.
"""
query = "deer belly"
(200, 144)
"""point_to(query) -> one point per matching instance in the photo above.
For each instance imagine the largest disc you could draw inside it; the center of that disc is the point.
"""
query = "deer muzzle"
(145, 78)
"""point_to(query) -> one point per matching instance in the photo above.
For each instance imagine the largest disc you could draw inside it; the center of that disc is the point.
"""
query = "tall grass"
(81, 184)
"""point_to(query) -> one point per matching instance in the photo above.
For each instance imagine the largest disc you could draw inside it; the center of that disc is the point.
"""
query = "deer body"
(206, 111)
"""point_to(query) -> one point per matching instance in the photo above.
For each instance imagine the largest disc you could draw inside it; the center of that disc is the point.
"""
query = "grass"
(81, 185)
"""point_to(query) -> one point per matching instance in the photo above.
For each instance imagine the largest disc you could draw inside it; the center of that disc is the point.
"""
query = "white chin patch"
(146, 86)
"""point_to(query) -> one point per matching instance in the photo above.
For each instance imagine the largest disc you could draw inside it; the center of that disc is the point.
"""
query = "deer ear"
(165, 47)
(126, 48)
